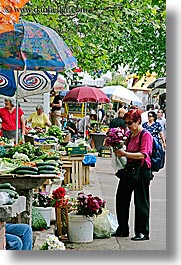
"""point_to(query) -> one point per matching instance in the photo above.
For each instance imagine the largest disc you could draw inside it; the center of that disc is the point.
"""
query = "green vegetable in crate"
(54, 130)
(2, 151)
(52, 158)
(51, 172)
(26, 172)
(41, 157)
(38, 221)
(7, 185)
(26, 148)
(46, 167)
(34, 169)
(47, 163)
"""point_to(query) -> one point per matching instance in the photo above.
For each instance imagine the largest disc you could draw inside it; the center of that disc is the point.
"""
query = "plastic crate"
(78, 150)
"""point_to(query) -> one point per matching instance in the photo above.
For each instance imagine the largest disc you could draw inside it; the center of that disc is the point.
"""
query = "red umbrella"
(86, 94)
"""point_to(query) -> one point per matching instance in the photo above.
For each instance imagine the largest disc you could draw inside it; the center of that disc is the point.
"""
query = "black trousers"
(141, 202)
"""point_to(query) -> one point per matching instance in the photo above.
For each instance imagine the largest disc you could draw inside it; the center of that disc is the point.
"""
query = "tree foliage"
(105, 33)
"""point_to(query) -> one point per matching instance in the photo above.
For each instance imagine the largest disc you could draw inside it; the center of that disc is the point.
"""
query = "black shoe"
(140, 237)
(120, 234)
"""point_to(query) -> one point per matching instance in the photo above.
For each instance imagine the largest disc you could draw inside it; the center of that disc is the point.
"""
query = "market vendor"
(8, 117)
(71, 126)
(39, 119)
(56, 105)
(84, 123)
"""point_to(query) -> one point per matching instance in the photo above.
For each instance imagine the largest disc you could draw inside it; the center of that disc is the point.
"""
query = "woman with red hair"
(138, 149)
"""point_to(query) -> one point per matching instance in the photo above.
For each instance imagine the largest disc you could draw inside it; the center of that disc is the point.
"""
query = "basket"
(61, 213)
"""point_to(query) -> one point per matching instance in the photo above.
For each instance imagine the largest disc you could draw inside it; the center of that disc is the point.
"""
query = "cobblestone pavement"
(103, 183)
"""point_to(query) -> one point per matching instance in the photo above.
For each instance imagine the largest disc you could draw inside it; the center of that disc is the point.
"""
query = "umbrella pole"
(17, 103)
(85, 120)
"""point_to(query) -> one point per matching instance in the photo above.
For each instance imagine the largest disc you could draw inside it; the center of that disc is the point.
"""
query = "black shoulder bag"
(132, 169)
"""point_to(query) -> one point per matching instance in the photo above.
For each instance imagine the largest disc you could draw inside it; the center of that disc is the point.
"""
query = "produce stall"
(27, 167)
(53, 138)
(24, 185)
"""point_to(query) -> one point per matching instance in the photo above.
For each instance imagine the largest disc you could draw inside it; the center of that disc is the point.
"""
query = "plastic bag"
(5, 198)
(89, 160)
(102, 226)
(118, 162)
(113, 222)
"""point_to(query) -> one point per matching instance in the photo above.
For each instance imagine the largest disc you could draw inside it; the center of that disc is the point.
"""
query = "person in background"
(144, 115)
(109, 115)
(154, 127)
(18, 236)
(39, 119)
(118, 121)
(161, 120)
(101, 113)
(71, 126)
(8, 117)
(156, 108)
(56, 105)
(84, 123)
(136, 150)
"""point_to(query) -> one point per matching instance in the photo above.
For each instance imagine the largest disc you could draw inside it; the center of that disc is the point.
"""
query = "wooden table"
(77, 174)
(24, 185)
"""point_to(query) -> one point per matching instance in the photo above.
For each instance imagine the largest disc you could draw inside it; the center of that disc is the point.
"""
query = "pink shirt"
(9, 119)
(144, 148)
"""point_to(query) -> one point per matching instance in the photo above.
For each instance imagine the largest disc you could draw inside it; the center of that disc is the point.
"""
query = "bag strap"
(140, 137)
(129, 137)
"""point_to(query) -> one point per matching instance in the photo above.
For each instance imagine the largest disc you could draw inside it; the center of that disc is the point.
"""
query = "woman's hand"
(120, 153)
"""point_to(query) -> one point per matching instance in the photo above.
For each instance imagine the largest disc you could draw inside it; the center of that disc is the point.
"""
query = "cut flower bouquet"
(59, 197)
(115, 138)
(88, 205)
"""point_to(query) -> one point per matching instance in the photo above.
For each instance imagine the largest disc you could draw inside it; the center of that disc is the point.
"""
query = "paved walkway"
(103, 183)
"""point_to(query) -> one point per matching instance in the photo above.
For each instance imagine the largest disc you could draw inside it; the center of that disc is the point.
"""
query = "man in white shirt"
(161, 120)
(144, 115)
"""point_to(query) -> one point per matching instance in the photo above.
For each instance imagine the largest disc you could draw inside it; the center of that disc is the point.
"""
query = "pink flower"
(116, 137)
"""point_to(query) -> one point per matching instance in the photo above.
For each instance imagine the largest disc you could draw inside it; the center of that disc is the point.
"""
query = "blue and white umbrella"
(29, 82)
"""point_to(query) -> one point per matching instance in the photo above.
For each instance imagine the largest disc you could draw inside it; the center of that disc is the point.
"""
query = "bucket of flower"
(81, 219)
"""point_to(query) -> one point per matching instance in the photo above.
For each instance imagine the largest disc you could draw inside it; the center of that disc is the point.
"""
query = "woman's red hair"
(134, 115)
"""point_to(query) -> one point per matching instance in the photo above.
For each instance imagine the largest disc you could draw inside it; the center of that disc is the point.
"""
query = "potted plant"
(81, 225)
(43, 202)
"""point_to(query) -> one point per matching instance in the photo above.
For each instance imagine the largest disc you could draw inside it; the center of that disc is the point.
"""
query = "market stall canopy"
(29, 82)
(86, 94)
(158, 83)
(120, 93)
(142, 84)
(32, 46)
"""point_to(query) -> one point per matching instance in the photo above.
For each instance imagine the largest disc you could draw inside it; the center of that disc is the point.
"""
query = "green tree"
(105, 33)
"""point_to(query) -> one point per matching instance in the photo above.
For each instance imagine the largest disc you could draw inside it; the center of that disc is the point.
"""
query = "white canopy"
(120, 93)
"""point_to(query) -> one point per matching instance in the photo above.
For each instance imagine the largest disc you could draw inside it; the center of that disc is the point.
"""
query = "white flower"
(53, 243)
